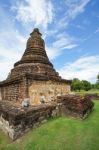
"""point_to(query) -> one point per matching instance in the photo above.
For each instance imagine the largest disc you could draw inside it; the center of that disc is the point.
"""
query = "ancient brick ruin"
(34, 92)
(33, 76)
(76, 106)
(15, 120)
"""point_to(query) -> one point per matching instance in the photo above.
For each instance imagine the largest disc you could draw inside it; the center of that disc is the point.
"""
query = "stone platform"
(16, 120)
(76, 106)
(93, 96)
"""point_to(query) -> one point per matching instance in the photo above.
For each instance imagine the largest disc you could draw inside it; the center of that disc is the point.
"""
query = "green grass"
(92, 91)
(64, 133)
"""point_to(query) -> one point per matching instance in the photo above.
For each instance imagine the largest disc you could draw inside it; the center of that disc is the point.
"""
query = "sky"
(70, 29)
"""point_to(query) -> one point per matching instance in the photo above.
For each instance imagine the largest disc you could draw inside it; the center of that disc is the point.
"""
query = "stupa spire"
(35, 60)
(35, 50)
(36, 30)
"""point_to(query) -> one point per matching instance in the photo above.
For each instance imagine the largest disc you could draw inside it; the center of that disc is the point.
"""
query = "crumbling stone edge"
(15, 121)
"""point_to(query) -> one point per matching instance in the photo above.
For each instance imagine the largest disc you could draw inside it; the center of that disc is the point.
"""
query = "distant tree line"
(78, 85)
(97, 83)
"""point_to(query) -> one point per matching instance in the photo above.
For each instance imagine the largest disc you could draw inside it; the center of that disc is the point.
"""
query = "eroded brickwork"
(15, 120)
(10, 92)
(32, 73)
(34, 78)
(49, 90)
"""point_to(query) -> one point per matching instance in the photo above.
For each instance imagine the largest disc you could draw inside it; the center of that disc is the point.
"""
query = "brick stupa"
(34, 79)
(34, 75)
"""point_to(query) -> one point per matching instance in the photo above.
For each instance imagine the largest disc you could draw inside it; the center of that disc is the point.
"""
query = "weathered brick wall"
(10, 92)
(15, 91)
(23, 90)
(29, 88)
(49, 90)
(16, 121)
(0, 95)
(76, 106)
(33, 68)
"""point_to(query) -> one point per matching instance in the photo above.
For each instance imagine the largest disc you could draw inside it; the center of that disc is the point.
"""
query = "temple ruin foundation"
(34, 92)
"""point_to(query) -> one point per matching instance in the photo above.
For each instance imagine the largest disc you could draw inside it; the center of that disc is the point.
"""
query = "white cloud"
(12, 45)
(53, 52)
(85, 68)
(73, 9)
(39, 12)
(62, 43)
(76, 7)
(5, 68)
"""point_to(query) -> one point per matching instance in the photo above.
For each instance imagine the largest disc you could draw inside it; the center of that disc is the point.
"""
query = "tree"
(97, 83)
(80, 85)
(93, 86)
(76, 84)
(98, 78)
(86, 85)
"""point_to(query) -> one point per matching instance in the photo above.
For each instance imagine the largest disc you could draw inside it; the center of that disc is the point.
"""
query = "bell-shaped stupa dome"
(35, 50)
(35, 60)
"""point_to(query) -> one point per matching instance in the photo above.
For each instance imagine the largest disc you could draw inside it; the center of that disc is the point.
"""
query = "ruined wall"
(74, 105)
(36, 91)
(16, 91)
(10, 92)
(0, 95)
(15, 121)
(47, 90)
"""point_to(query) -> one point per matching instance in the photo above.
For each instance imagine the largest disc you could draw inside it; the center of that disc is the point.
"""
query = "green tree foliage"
(93, 86)
(98, 77)
(97, 83)
(86, 85)
(76, 84)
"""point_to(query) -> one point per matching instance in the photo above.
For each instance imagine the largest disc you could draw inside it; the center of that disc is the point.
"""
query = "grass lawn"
(62, 133)
(92, 91)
